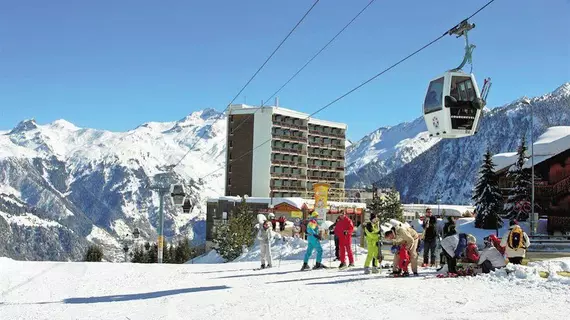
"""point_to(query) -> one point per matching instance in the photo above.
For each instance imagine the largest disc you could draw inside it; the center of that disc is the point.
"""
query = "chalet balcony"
(327, 145)
(326, 156)
(287, 188)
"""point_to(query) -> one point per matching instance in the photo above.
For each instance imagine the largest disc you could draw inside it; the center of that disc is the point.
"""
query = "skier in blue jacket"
(313, 238)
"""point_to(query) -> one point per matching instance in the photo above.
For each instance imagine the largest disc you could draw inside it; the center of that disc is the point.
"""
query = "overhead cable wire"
(306, 64)
(362, 84)
(249, 81)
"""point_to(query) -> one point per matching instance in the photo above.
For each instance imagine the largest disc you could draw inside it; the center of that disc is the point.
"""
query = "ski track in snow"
(54, 290)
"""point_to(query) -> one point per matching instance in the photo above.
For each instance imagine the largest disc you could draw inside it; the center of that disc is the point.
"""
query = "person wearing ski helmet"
(343, 229)
(313, 237)
(265, 237)
(516, 242)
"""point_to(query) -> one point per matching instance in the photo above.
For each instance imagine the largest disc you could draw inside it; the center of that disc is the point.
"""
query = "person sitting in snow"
(471, 253)
(496, 242)
(282, 221)
(516, 242)
(372, 233)
(265, 237)
(314, 238)
(407, 236)
(490, 258)
(453, 248)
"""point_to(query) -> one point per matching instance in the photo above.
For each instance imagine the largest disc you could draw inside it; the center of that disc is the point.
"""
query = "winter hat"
(372, 216)
(513, 222)
(314, 214)
(471, 239)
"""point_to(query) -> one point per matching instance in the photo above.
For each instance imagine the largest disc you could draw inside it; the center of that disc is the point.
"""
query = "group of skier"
(407, 243)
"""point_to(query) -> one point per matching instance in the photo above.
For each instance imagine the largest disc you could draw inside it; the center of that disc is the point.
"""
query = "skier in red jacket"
(343, 230)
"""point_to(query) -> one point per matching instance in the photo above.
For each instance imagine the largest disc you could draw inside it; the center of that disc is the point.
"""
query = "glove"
(395, 249)
(318, 236)
(345, 232)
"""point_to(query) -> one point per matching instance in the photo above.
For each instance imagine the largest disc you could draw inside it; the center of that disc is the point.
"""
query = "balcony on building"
(289, 135)
(288, 147)
(325, 142)
(289, 122)
(284, 158)
(322, 153)
(285, 172)
(325, 131)
(284, 185)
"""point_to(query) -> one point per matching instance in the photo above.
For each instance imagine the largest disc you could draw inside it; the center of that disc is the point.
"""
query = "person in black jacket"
(430, 238)
(449, 228)
(336, 248)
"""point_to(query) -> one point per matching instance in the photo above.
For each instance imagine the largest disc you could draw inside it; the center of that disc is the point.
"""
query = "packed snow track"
(55, 290)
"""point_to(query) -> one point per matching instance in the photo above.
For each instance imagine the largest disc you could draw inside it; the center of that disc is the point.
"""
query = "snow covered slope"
(384, 150)
(56, 290)
(451, 165)
(95, 183)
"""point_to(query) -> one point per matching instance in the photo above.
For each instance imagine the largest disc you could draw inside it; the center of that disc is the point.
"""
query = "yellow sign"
(296, 214)
(160, 241)
(321, 198)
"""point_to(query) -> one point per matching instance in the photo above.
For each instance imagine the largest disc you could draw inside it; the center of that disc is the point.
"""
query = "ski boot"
(375, 270)
(405, 274)
(268, 266)
(305, 267)
(351, 265)
(416, 274)
(319, 265)
(396, 273)
(263, 266)
(342, 266)
(366, 270)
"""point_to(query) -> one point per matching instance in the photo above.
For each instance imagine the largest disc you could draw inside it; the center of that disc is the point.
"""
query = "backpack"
(516, 240)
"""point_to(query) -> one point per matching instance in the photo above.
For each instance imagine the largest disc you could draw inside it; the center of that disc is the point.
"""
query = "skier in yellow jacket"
(372, 232)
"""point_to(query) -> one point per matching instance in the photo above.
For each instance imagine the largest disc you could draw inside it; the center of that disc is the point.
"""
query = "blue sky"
(116, 64)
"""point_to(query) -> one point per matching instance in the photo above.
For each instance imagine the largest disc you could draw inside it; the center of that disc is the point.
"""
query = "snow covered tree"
(391, 207)
(521, 190)
(94, 254)
(230, 238)
(488, 200)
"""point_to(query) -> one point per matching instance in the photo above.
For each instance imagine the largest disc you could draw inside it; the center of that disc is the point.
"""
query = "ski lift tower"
(162, 186)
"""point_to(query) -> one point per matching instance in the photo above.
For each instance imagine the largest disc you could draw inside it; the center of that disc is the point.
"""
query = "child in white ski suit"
(265, 237)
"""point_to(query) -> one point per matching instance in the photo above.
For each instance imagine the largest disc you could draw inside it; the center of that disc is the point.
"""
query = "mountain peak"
(200, 115)
(562, 90)
(63, 124)
(25, 125)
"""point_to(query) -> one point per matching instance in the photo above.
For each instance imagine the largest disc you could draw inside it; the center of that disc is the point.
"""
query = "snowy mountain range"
(403, 156)
(62, 187)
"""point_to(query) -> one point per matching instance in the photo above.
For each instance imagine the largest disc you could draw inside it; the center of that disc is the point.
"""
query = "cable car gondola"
(453, 104)
(178, 194)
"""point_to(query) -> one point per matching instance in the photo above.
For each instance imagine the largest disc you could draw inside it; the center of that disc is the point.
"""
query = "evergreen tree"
(237, 233)
(488, 200)
(94, 254)
(391, 207)
(139, 255)
(166, 253)
(375, 206)
(521, 190)
(183, 252)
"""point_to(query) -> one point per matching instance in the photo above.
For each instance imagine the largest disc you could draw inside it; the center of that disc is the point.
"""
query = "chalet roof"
(554, 141)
